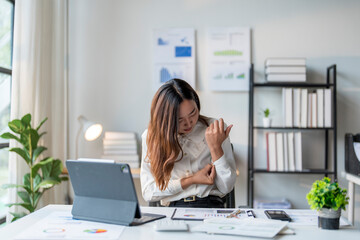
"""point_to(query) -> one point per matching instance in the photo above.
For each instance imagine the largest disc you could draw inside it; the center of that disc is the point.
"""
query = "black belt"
(205, 202)
(195, 198)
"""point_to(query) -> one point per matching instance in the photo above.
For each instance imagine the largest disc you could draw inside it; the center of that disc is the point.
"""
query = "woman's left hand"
(215, 136)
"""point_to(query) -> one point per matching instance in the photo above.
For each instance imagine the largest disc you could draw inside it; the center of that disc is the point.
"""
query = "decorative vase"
(329, 218)
(266, 122)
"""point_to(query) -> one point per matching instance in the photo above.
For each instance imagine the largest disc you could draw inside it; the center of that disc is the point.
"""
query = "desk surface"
(145, 232)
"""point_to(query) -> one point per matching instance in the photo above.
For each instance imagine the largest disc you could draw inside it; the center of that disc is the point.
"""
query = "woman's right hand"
(204, 176)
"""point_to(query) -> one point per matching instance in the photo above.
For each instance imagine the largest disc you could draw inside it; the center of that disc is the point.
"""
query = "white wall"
(110, 67)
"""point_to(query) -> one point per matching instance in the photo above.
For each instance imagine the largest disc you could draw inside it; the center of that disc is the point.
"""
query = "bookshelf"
(329, 167)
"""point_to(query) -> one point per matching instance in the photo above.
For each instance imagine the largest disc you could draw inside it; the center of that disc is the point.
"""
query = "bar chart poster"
(174, 55)
(228, 58)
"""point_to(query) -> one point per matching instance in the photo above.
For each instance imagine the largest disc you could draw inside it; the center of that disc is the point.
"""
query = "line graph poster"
(228, 55)
(174, 55)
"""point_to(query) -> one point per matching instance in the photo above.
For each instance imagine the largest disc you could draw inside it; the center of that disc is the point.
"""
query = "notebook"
(105, 192)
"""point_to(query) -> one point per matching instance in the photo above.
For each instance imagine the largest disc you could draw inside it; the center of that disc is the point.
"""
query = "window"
(6, 39)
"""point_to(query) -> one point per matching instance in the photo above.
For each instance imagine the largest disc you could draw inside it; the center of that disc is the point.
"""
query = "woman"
(187, 160)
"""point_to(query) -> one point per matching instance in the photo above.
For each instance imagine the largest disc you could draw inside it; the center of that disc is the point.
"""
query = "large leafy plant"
(325, 194)
(43, 174)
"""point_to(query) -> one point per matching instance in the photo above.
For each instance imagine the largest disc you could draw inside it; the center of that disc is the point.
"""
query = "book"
(280, 151)
(327, 108)
(128, 158)
(285, 62)
(309, 120)
(267, 151)
(288, 106)
(272, 152)
(285, 69)
(119, 135)
(286, 77)
(119, 142)
(286, 152)
(291, 151)
(320, 107)
(120, 151)
(314, 110)
(298, 151)
(120, 147)
(297, 106)
(272, 203)
(304, 108)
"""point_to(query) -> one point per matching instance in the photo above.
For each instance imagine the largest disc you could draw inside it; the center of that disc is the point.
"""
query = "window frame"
(8, 71)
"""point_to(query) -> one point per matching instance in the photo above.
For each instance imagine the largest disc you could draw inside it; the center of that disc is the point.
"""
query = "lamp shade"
(90, 129)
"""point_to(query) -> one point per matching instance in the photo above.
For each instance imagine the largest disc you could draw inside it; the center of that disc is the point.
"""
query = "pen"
(234, 213)
(250, 213)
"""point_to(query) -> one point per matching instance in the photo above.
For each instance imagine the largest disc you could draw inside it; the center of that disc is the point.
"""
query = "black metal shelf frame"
(304, 85)
(310, 171)
(330, 75)
(291, 128)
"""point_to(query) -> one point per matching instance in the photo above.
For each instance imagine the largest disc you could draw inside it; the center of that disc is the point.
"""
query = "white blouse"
(196, 156)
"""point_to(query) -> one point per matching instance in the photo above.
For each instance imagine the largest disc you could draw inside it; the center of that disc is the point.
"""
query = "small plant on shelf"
(266, 119)
(328, 199)
(266, 112)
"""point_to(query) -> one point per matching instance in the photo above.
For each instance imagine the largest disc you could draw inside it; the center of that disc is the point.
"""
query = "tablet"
(105, 192)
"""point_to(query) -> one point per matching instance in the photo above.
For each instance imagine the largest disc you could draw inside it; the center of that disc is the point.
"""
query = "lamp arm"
(77, 142)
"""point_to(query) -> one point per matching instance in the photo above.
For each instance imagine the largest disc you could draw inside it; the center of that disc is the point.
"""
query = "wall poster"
(174, 55)
(228, 57)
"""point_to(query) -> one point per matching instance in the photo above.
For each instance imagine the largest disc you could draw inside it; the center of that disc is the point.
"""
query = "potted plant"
(328, 199)
(266, 119)
(43, 174)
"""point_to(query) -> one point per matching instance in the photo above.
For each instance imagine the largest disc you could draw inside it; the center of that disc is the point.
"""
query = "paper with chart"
(228, 56)
(61, 225)
(205, 213)
(174, 55)
(253, 227)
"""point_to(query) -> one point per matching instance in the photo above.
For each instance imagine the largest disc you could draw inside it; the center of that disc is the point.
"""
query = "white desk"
(146, 232)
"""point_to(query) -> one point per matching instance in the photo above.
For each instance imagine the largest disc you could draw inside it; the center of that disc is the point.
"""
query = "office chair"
(230, 199)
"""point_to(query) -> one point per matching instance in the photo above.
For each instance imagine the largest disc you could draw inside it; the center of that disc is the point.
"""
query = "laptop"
(105, 192)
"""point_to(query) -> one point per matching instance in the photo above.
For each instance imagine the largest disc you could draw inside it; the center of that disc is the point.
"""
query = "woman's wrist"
(186, 182)
(216, 153)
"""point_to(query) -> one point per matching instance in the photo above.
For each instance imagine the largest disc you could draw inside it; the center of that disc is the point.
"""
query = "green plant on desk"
(43, 174)
(328, 199)
(325, 194)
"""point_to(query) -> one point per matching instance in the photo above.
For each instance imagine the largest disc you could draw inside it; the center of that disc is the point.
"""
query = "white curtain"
(39, 83)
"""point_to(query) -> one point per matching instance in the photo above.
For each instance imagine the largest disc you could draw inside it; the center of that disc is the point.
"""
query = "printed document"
(61, 225)
(205, 213)
(253, 227)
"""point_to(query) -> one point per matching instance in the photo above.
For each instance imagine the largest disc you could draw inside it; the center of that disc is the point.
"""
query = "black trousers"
(206, 202)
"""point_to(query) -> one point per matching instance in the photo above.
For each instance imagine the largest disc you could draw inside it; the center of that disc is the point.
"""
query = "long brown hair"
(162, 137)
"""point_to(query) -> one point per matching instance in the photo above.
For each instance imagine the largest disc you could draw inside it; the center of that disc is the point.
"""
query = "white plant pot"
(329, 218)
(266, 122)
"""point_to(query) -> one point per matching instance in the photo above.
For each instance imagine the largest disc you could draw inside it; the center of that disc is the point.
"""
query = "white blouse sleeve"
(225, 169)
(149, 189)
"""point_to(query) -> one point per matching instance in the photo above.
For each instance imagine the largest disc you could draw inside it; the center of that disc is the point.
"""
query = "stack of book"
(284, 151)
(285, 69)
(307, 108)
(272, 203)
(121, 147)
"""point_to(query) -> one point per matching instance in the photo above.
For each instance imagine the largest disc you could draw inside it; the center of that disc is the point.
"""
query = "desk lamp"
(90, 130)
